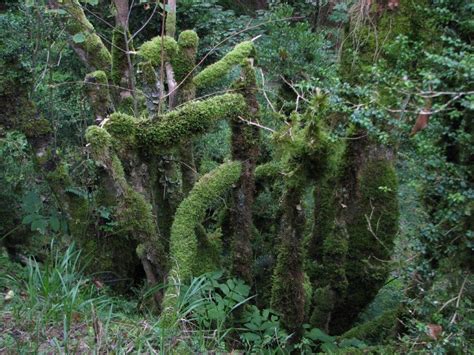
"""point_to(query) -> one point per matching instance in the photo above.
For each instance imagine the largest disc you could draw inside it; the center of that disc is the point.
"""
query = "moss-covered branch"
(184, 241)
(86, 43)
(191, 119)
(152, 50)
(215, 72)
(192, 210)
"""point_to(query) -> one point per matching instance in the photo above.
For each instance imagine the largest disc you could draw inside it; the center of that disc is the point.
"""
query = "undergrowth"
(53, 307)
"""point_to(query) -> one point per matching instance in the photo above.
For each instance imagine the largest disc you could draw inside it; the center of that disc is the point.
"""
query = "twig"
(146, 22)
(458, 302)
(256, 124)
(265, 93)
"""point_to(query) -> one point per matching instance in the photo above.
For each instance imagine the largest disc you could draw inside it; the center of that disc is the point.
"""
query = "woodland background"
(236, 176)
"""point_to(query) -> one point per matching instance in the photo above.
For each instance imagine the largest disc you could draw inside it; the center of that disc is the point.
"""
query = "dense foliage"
(250, 176)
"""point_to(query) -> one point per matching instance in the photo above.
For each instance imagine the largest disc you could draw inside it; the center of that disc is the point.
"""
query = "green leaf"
(242, 289)
(29, 218)
(79, 37)
(32, 202)
(328, 347)
(318, 334)
(39, 225)
(224, 288)
(250, 337)
(54, 223)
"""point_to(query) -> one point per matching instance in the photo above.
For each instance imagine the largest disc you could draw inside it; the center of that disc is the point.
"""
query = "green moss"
(37, 128)
(372, 225)
(97, 54)
(209, 251)
(288, 293)
(366, 266)
(185, 61)
(170, 24)
(184, 244)
(122, 128)
(151, 50)
(140, 251)
(98, 77)
(377, 330)
(99, 139)
(127, 105)
(96, 86)
(215, 72)
(192, 210)
(308, 293)
(191, 119)
(147, 73)
(323, 301)
(323, 226)
(188, 39)
(136, 217)
(268, 171)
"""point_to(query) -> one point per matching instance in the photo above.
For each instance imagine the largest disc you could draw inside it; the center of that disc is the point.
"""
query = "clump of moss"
(122, 128)
(188, 39)
(99, 56)
(151, 50)
(193, 118)
(377, 330)
(269, 171)
(170, 25)
(96, 86)
(147, 73)
(185, 61)
(98, 77)
(215, 72)
(36, 128)
(99, 139)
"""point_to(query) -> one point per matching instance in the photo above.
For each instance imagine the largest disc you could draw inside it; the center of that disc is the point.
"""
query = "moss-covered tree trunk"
(288, 295)
(245, 148)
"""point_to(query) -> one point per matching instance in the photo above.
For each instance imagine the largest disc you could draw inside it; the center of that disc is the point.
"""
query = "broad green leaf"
(54, 223)
(32, 202)
(250, 337)
(39, 225)
(29, 218)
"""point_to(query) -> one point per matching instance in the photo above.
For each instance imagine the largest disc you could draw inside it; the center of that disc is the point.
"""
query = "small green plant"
(56, 291)
(262, 332)
(32, 206)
